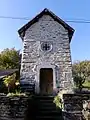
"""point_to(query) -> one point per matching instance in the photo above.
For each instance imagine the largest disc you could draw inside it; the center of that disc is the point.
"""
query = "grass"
(15, 94)
(86, 84)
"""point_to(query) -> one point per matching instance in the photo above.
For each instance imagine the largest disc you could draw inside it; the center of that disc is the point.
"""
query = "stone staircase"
(43, 108)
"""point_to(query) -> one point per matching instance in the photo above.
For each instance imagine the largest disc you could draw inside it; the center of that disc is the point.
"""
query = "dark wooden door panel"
(46, 81)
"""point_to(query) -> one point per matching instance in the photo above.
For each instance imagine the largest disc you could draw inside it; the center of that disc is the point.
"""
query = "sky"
(65, 9)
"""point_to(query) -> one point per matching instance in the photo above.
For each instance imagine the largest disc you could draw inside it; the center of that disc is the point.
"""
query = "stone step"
(49, 117)
(45, 108)
(46, 104)
(45, 97)
(49, 113)
(44, 100)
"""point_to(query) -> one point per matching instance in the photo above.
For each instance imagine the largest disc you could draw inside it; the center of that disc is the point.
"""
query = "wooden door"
(46, 81)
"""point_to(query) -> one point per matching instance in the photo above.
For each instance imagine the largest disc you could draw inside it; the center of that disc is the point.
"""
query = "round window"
(46, 46)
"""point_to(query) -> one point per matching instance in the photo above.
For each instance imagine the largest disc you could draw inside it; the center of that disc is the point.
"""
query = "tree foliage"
(11, 82)
(81, 72)
(9, 59)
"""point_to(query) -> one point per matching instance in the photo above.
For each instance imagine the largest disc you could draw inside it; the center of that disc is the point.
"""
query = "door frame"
(37, 83)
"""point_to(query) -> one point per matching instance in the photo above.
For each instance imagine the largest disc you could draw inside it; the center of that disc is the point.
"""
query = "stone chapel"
(46, 66)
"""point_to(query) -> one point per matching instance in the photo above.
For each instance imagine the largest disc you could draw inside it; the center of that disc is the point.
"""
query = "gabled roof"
(46, 12)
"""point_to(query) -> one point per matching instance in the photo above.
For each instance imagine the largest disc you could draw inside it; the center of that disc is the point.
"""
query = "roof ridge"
(22, 30)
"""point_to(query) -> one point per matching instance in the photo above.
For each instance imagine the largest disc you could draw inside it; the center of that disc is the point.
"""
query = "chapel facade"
(46, 65)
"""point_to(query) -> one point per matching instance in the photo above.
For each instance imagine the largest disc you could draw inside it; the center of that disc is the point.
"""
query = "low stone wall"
(23, 108)
(13, 108)
(73, 104)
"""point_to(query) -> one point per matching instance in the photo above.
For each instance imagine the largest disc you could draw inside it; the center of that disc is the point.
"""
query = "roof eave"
(22, 30)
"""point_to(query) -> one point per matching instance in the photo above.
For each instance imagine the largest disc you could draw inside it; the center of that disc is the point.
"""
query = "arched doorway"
(46, 80)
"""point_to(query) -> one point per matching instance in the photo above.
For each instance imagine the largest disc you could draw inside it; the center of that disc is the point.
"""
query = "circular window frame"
(46, 50)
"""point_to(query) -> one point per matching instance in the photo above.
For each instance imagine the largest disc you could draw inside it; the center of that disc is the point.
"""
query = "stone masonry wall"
(47, 29)
(25, 108)
(73, 106)
(13, 108)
